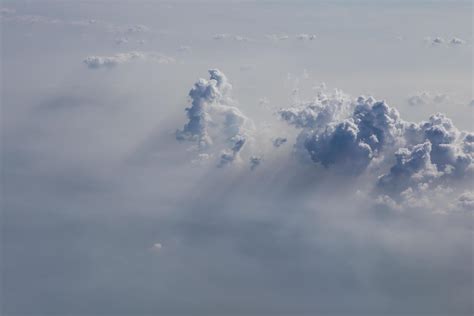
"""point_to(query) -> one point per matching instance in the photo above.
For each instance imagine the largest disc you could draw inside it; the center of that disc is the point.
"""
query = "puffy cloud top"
(213, 118)
(349, 136)
(362, 136)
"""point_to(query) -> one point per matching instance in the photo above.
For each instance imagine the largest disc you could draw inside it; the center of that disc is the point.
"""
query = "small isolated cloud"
(425, 98)
(184, 49)
(137, 28)
(121, 41)
(6, 11)
(457, 41)
(156, 247)
(437, 40)
(277, 37)
(226, 36)
(96, 62)
(306, 37)
(221, 36)
(240, 38)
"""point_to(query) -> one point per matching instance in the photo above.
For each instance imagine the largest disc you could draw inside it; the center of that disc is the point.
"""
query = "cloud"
(156, 247)
(6, 11)
(255, 161)
(137, 28)
(426, 98)
(279, 141)
(96, 62)
(226, 36)
(466, 201)
(330, 137)
(214, 122)
(437, 40)
(306, 37)
(9, 15)
(362, 136)
(457, 41)
(121, 40)
(278, 37)
(184, 49)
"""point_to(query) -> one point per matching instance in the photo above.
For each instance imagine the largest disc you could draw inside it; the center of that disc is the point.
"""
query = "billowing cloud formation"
(350, 136)
(95, 62)
(214, 122)
(361, 137)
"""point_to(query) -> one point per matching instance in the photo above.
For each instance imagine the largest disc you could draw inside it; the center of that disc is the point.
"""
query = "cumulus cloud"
(226, 36)
(426, 98)
(96, 62)
(278, 37)
(350, 136)
(437, 40)
(466, 201)
(457, 41)
(306, 37)
(214, 121)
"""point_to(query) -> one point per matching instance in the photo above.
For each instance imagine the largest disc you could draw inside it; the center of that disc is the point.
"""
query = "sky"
(236, 157)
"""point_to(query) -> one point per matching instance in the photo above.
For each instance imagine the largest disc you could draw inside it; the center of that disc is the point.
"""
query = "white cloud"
(466, 201)
(121, 41)
(96, 62)
(278, 37)
(214, 122)
(306, 37)
(427, 98)
(457, 41)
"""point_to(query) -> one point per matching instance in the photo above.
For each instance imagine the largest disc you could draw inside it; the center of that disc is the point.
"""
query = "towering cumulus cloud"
(215, 123)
